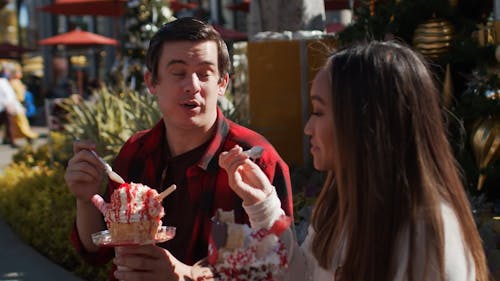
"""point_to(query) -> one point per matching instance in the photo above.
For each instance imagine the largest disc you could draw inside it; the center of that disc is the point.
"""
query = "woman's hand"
(245, 177)
(148, 262)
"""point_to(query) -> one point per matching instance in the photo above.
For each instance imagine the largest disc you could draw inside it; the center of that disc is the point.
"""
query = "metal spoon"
(111, 174)
(254, 152)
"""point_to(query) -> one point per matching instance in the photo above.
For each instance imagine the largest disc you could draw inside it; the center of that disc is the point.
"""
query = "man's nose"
(192, 84)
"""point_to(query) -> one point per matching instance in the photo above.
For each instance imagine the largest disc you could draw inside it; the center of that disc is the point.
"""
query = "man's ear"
(223, 82)
(148, 79)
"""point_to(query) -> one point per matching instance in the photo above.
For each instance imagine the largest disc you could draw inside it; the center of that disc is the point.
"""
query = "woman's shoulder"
(451, 225)
(459, 264)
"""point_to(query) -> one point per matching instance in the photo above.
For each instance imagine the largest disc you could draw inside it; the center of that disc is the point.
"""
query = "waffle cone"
(142, 232)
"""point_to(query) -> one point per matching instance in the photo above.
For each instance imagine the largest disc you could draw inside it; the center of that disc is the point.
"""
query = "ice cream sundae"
(134, 213)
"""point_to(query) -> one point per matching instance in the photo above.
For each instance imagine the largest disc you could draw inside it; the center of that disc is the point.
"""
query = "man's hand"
(84, 172)
(148, 263)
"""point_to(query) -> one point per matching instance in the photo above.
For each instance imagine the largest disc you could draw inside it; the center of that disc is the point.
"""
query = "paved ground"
(18, 261)
(6, 151)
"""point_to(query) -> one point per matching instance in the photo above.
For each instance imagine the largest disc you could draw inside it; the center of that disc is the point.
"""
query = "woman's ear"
(148, 79)
(223, 82)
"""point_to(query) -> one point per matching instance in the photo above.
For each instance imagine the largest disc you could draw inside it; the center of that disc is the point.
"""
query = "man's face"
(188, 84)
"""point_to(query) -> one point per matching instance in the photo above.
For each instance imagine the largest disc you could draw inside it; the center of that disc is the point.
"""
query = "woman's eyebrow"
(317, 99)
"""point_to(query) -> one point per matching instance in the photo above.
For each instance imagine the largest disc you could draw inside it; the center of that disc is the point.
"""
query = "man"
(187, 70)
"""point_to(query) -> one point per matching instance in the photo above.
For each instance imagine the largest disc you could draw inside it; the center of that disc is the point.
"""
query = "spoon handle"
(106, 165)
(111, 174)
(254, 152)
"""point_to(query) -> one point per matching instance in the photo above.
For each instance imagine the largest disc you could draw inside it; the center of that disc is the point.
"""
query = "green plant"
(58, 149)
(35, 202)
(112, 119)
(39, 208)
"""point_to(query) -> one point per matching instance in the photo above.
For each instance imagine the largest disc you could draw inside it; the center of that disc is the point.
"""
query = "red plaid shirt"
(202, 186)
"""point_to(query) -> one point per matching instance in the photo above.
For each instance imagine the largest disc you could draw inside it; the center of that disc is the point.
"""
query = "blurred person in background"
(25, 98)
(17, 124)
(7, 95)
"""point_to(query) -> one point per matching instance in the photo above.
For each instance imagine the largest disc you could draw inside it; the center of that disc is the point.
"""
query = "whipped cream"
(131, 202)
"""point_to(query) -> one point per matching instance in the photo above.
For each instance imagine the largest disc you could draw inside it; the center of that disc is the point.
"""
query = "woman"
(21, 122)
(393, 206)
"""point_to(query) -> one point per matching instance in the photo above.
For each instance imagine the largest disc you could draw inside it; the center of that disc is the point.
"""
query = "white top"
(8, 98)
(302, 265)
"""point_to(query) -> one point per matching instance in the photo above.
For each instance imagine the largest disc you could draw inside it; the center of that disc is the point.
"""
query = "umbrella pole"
(79, 75)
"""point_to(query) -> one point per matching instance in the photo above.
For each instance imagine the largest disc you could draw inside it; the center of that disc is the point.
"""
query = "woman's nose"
(192, 84)
(307, 127)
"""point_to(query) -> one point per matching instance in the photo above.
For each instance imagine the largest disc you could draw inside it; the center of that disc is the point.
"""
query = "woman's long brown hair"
(393, 167)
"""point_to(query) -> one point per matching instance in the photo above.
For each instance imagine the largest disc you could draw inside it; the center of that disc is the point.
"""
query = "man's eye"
(316, 113)
(203, 74)
(179, 74)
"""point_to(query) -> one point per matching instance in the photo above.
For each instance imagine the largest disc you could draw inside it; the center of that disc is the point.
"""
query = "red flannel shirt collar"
(154, 138)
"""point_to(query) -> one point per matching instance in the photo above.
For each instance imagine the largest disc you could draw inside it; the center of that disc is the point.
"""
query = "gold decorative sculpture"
(433, 38)
(485, 143)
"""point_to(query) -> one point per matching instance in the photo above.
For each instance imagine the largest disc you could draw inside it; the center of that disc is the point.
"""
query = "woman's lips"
(313, 148)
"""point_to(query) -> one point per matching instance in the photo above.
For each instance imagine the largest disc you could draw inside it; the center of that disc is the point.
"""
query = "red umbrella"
(230, 34)
(177, 6)
(113, 8)
(78, 37)
(243, 6)
(11, 51)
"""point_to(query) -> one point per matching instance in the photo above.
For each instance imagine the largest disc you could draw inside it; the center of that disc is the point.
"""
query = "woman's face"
(319, 127)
